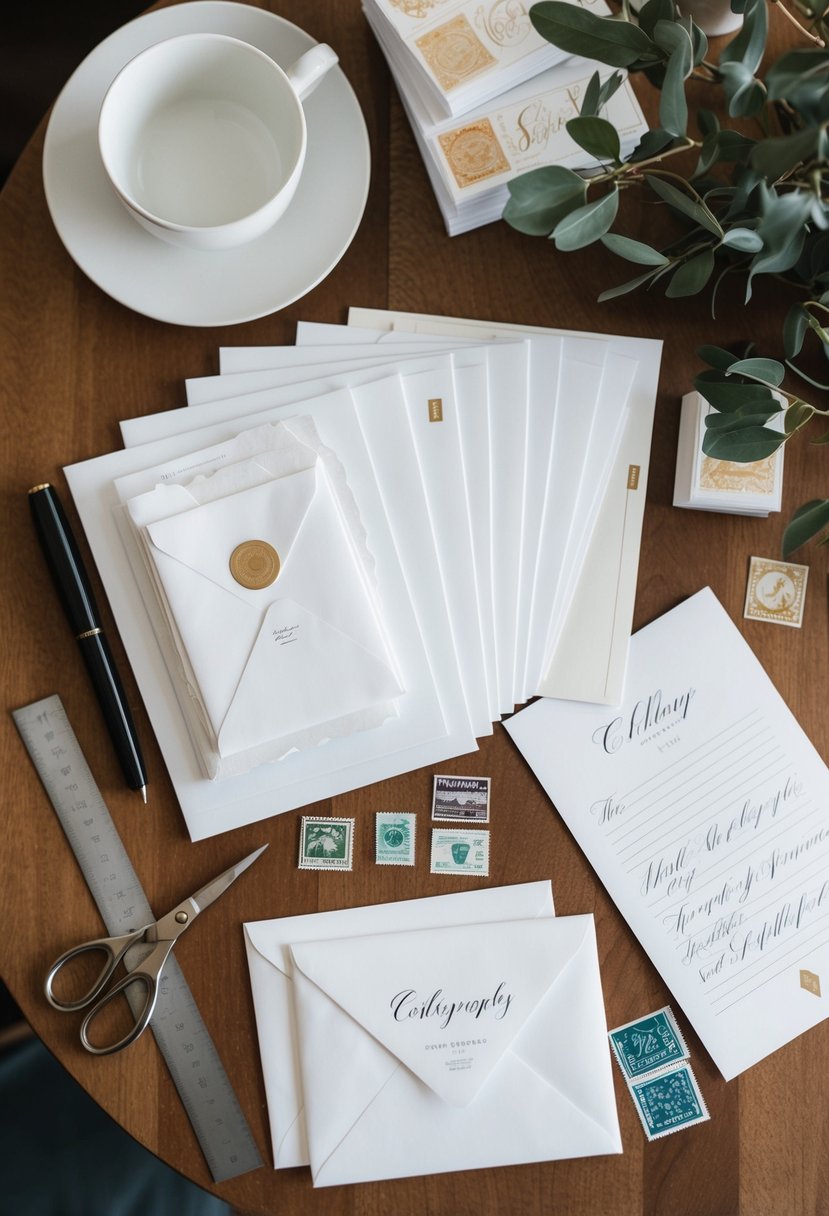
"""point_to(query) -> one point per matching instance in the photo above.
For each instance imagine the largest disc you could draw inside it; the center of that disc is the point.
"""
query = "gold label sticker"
(810, 982)
(473, 153)
(633, 476)
(454, 52)
(254, 564)
(776, 591)
(436, 409)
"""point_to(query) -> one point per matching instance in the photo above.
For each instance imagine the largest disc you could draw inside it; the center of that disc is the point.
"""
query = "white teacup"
(203, 137)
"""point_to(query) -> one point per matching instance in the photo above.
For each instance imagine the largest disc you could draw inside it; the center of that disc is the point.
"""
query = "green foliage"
(754, 203)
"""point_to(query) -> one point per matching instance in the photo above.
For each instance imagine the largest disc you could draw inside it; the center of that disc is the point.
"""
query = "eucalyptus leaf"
(694, 209)
(716, 356)
(579, 32)
(597, 136)
(700, 43)
(767, 370)
(651, 144)
(586, 224)
(654, 11)
(776, 156)
(794, 330)
(623, 288)
(730, 396)
(746, 95)
(674, 39)
(745, 445)
(806, 522)
(797, 415)
(610, 86)
(691, 276)
(743, 240)
(803, 65)
(634, 251)
(737, 420)
(749, 43)
(590, 102)
(541, 198)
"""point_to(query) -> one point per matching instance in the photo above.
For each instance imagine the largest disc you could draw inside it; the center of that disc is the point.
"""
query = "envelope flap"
(447, 1003)
(204, 538)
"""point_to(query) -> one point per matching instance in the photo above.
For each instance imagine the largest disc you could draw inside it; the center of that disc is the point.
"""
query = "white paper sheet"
(703, 808)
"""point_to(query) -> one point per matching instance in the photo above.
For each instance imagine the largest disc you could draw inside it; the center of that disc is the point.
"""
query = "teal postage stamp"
(325, 843)
(394, 838)
(653, 1041)
(669, 1101)
(460, 851)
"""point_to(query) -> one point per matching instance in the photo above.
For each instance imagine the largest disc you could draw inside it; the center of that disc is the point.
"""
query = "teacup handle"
(310, 68)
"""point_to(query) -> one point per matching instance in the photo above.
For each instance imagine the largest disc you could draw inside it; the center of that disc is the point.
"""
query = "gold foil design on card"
(473, 153)
(810, 982)
(254, 564)
(413, 8)
(436, 409)
(634, 471)
(727, 476)
(454, 52)
(776, 591)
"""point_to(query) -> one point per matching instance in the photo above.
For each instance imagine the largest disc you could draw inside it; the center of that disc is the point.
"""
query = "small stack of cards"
(488, 98)
(446, 515)
(707, 484)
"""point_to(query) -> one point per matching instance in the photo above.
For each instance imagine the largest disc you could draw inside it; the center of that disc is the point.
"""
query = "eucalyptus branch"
(791, 17)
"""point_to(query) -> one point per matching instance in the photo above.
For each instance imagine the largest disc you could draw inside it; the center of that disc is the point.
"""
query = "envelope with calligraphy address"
(453, 1048)
(267, 944)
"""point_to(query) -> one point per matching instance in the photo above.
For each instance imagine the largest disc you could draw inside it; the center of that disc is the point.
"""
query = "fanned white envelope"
(289, 665)
(452, 1049)
(267, 943)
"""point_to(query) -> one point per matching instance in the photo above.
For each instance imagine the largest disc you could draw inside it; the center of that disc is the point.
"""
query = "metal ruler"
(188, 1051)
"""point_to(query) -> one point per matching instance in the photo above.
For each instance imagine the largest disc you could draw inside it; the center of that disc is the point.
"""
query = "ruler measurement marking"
(177, 1025)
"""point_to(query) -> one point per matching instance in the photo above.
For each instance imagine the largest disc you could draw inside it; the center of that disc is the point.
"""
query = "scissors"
(160, 936)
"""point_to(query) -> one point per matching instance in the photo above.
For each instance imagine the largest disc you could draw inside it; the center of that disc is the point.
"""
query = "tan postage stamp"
(776, 591)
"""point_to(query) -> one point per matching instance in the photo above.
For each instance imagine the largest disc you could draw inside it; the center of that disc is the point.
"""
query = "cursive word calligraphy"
(407, 1004)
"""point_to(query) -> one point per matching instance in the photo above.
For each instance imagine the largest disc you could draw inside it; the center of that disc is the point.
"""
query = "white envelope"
(453, 1049)
(267, 944)
(297, 662)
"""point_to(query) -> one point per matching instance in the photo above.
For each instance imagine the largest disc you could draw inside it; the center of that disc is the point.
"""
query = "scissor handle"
(149, 983)
(114, 948)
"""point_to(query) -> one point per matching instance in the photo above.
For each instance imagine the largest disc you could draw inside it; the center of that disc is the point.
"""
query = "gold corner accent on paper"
(436, 409)
(633, 476)
(810, 982)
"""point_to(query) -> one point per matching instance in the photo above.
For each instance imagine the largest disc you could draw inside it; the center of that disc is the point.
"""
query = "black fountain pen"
(73, 588)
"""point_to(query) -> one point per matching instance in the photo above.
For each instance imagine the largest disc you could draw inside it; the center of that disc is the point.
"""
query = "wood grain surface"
(73, 363)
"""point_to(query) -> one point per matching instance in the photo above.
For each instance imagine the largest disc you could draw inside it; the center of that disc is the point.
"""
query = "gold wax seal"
(254, 564)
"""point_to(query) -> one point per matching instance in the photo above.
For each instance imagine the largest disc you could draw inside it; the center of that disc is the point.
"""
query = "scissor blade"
(204, 897)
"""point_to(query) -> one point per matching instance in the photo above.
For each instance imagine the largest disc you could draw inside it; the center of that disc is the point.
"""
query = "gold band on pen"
(89, 633)
(46, 485)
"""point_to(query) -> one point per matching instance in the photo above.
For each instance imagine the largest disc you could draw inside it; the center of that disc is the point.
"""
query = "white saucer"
(188, 287)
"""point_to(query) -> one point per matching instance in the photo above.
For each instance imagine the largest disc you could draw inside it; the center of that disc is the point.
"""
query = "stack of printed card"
(348, 558)
(488, 98)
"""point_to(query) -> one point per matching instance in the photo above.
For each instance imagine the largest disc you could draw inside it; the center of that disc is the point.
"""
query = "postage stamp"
(394, 839)
(653, 1041)
(457, 851)
(776, 591)
(669, 1101)
(461, 798)
(325, 844)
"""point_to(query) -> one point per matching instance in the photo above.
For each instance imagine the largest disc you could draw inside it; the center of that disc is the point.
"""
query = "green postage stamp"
(459, 851)
(394, 839)
(325, 843)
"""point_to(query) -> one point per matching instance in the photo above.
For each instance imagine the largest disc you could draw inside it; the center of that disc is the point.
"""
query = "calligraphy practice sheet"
(704, 809)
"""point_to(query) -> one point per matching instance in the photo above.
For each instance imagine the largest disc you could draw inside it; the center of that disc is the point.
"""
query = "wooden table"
(74, 362)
